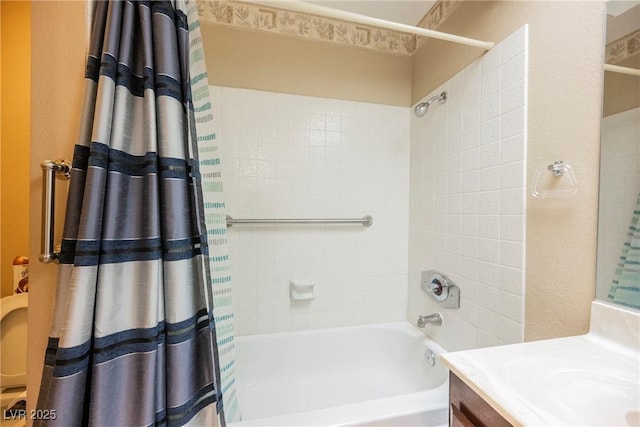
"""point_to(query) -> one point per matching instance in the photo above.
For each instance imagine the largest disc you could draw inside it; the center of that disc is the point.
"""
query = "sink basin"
(576, 387)
(592, 379)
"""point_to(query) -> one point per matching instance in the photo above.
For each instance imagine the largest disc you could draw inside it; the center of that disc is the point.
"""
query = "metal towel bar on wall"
(365, 220)
(50, 170)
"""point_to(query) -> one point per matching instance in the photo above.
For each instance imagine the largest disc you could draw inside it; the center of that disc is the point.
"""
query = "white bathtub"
(373, 375)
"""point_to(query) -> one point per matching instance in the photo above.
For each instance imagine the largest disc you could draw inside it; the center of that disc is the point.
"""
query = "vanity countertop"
(591, 379)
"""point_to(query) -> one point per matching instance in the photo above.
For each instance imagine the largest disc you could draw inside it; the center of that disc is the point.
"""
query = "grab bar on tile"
(365, 220)
(50, 170)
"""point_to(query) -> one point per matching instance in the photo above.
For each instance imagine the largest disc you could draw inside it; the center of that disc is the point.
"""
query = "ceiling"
(622, 21)
(408, 12)
(618, 7)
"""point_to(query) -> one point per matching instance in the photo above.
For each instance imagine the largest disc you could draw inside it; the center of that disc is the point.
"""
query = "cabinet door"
(458, 419)
(468, 409)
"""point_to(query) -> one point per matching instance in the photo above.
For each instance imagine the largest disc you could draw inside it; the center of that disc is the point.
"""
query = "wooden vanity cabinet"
(468, 409)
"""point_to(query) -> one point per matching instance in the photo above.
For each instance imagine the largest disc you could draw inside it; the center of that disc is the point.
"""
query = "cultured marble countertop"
(591, 379)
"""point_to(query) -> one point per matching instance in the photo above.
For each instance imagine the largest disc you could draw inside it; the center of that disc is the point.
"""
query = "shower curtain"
(625, 288)
(133, 339)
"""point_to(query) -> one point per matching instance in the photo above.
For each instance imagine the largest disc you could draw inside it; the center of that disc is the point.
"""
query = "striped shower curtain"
(625, 288)
(133, 339)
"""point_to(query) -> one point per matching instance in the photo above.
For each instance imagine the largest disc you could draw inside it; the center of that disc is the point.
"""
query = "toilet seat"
(13, 321)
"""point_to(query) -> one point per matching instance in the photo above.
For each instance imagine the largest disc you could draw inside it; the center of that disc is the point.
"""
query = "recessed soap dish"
(302, 289)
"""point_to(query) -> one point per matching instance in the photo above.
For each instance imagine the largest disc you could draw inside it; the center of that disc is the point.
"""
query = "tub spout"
(434, 319)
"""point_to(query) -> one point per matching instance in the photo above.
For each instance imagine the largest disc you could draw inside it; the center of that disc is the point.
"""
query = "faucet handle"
(440, 289)
(435, 286)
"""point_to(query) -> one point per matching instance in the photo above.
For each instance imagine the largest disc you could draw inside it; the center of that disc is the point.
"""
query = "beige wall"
(1, 192)
(566, 42)
(58, 49)
(276, 63)
(14, 175)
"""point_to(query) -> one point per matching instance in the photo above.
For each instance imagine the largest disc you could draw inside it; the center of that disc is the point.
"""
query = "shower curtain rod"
(299, 6)
(622, 70)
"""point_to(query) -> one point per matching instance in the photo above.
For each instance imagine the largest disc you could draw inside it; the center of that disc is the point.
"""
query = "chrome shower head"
(422, 108)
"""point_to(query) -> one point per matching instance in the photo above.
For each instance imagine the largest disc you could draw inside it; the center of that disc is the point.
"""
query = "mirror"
(618, 256)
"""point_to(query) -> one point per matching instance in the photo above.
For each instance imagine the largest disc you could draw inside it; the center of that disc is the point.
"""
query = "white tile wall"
(619, 188)
(467, 199)
(295, 156)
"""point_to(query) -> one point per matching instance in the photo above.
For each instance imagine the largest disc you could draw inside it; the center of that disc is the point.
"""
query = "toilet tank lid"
(8, 305)
(13, 302)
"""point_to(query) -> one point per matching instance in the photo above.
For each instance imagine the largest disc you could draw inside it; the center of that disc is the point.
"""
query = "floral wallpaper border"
(439, 12)
(623, 48)
(261, 18)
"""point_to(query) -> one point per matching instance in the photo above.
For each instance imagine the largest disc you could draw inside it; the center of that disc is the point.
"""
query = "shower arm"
(442, 98)
(50, 170)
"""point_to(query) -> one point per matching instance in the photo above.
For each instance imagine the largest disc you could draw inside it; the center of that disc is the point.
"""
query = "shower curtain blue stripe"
(133, 340)
(625, 287)
(214, 210)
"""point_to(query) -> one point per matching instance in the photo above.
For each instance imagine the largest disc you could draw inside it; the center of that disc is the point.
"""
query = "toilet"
(13, 348)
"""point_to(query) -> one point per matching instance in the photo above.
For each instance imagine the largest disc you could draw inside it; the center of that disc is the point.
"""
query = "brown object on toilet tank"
(20, 274)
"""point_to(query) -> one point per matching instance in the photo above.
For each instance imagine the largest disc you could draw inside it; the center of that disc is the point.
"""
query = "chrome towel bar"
(365, 220)
(50, 169)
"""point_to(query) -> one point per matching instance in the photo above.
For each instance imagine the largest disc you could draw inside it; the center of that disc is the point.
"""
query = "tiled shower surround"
(468, 199)
(446, 192)
(294, 156)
